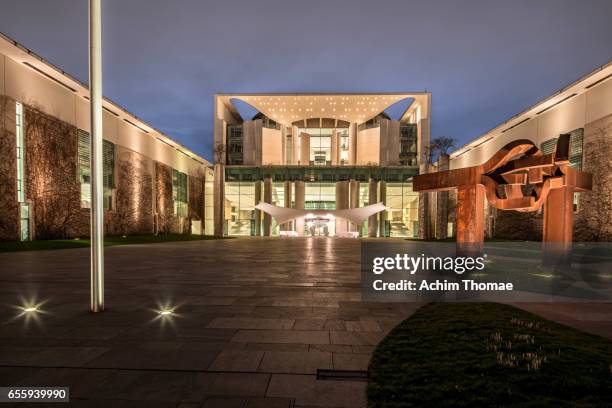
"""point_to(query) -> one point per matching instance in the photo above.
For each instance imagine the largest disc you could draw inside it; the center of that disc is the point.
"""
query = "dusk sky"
(483, 60)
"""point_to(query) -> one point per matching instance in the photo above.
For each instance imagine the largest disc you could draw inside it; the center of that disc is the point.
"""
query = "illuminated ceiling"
(288, 108)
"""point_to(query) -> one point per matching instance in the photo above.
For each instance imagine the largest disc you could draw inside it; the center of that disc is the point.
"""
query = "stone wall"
(133, 213)
(9, 208)
(196, 198)
(52, 184)
(517, 225)
(593, 221)
(167, 223)
(54, 191)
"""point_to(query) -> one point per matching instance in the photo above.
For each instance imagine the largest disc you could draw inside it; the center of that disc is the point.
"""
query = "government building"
(321, 154)
(302, 164)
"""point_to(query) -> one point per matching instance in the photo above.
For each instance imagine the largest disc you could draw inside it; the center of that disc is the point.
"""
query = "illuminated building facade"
(151, 182)
(319, 152)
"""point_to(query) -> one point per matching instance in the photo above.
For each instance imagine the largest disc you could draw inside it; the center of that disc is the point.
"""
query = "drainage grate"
(342, 375)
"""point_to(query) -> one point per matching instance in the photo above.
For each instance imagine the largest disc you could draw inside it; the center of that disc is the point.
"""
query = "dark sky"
(483, 60)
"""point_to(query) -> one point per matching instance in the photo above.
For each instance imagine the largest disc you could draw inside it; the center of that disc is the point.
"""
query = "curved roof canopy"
(288, 108)
(356, 215)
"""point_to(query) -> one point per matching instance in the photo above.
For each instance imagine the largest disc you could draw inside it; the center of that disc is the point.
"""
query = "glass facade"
(209, 204)
(235, 142)
(20, 152)
(84, 170)
(408, 144)
(320, 145)
(343, 138)
(179, 193)
(239, 208)
(320, 196)
(402, 214)
(24, 208)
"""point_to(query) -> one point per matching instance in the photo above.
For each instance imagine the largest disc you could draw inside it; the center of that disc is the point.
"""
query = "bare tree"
(220, 150)
(444, 144)
(429, 151)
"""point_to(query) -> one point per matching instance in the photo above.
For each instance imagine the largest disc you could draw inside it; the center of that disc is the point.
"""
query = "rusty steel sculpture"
(518, 177)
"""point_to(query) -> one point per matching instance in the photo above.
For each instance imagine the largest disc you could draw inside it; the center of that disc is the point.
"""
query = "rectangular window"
(20, 153)
(209, 209)
(575, 154)
(408, 144)
(239, 201)
(235, 145)
(84, 170)
(24, 210)
(179, 193)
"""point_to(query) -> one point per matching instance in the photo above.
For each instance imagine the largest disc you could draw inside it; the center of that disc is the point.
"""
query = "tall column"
(219, 200)
(354, 200)
(372, 199)
(424, 215)
(267, 218)
(342, 203)
(295, 145)
(287, 201)
(441, 216)
(383, 214)
(334, 148)
(470, 220)
(300, 201)
(257, 212)
(558, 226)
(97, 204)
(353, 130)
(304, 149)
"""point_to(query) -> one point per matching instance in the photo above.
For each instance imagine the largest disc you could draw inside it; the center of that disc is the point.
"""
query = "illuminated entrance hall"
(320, 201)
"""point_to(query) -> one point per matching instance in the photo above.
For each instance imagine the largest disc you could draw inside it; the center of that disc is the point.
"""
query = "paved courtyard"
(254, 319)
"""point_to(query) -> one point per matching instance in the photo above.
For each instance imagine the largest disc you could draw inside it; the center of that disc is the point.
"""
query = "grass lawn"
(15, 246)
(488, 355)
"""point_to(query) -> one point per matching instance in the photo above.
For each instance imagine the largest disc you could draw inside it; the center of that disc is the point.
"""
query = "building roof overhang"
(350, 107)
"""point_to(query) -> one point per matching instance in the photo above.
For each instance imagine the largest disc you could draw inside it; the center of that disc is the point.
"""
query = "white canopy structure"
(355, 215)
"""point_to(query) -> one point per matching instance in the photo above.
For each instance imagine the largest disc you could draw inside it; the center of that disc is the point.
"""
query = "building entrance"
(319, 227)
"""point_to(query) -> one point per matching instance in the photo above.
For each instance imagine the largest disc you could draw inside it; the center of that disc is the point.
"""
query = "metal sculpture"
(518, 177)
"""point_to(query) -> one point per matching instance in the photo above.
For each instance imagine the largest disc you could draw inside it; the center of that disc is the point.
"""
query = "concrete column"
(353, 144)
(304, 149)
(334, 148)
(441, 216)
(372, 199)
(267, 218)
(383, 214)
(354, 200)
(295, 146)
(342, 203)
(287, 201)
(300, 196)
(257, 212)
(219, 200)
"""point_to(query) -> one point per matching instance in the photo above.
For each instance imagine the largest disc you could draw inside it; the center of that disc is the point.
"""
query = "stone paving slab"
(249, 329)
(292, 362)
